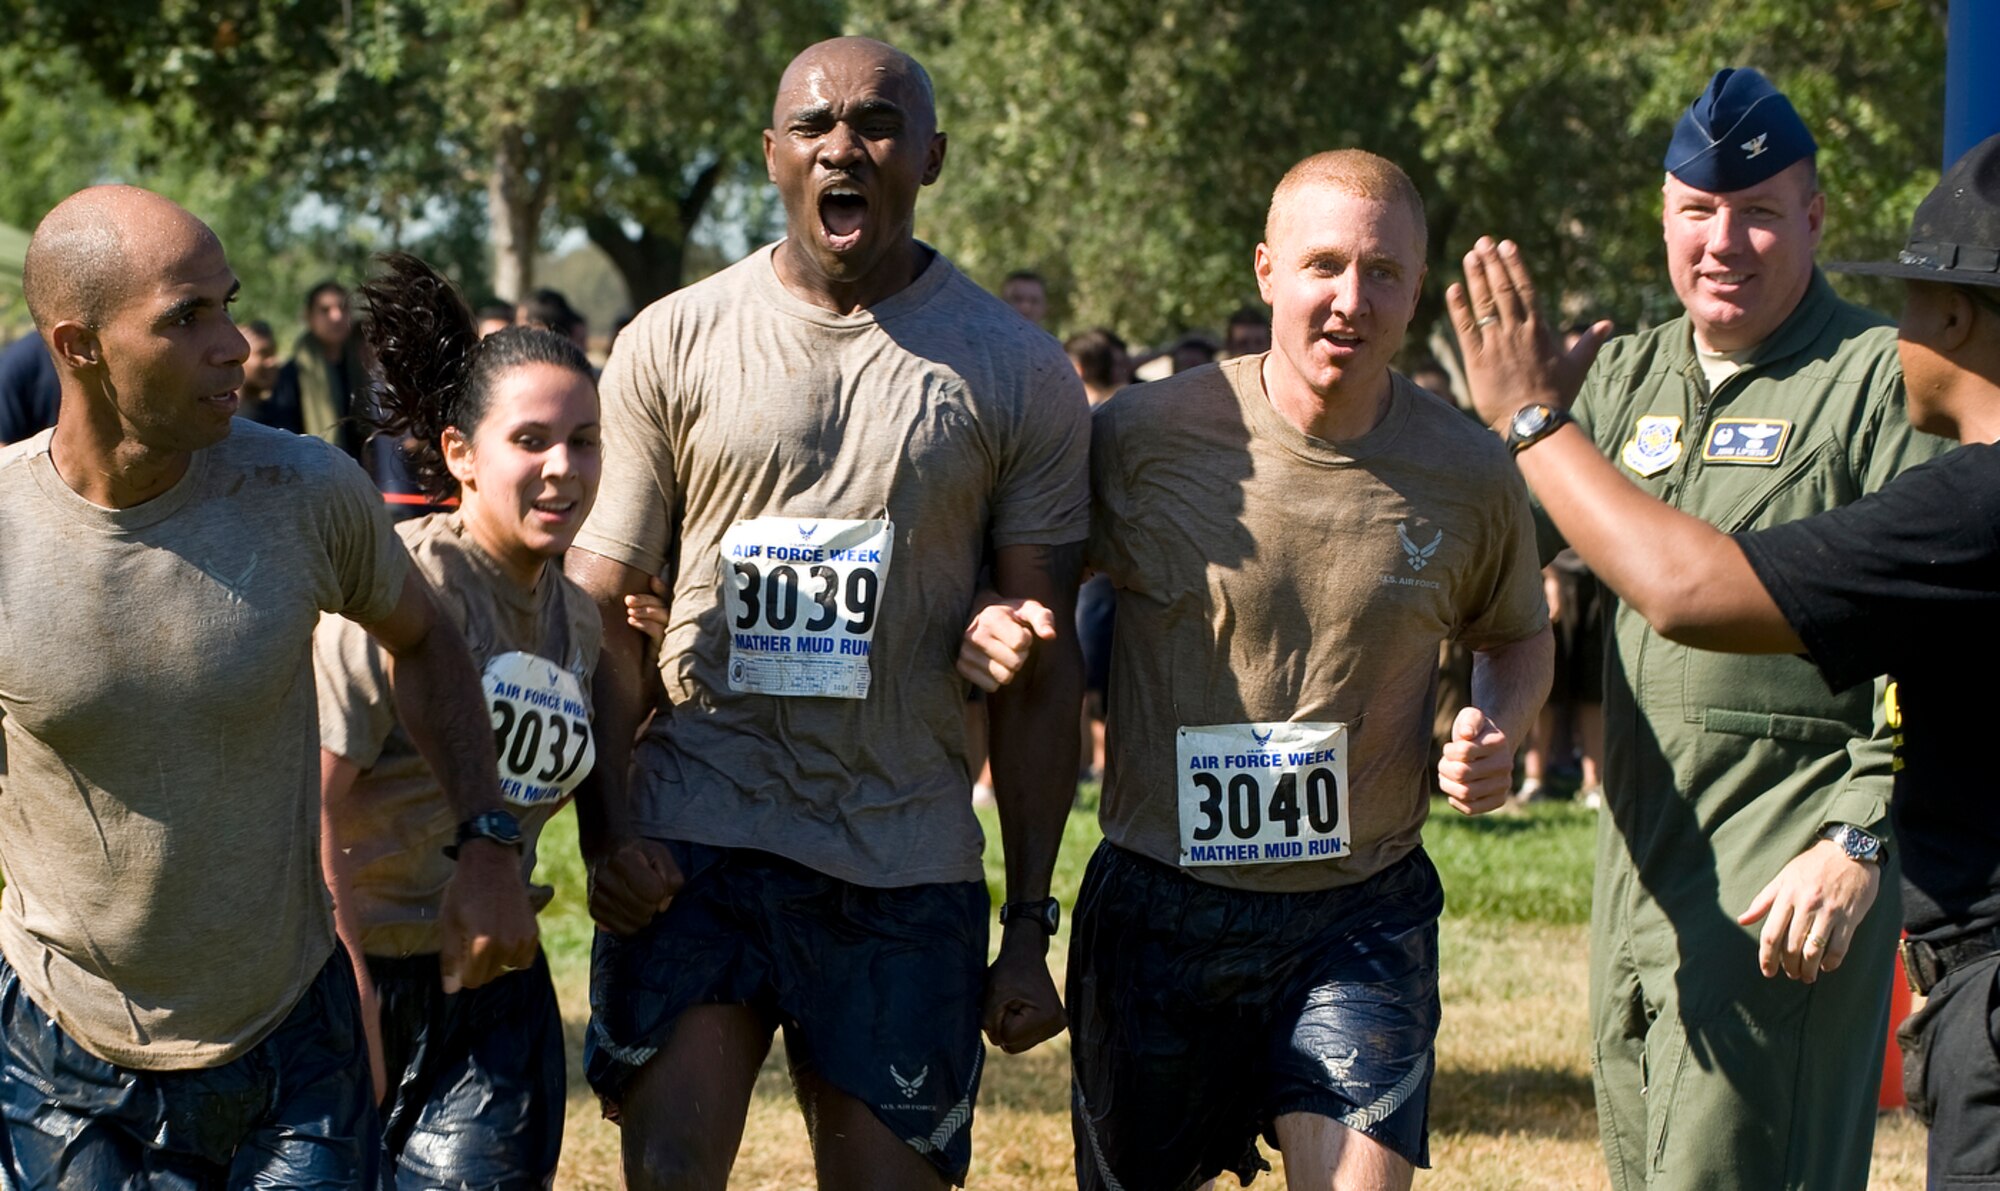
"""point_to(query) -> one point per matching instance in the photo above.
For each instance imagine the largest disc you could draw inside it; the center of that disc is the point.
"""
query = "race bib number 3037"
(803, 598)
(1263, 793)
(541, 728)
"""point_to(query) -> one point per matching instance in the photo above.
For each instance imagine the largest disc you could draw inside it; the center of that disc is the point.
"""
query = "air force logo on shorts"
(1759, 441)
(1655, 445)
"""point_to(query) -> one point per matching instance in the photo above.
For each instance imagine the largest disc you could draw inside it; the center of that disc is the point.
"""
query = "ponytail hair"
(434, 371)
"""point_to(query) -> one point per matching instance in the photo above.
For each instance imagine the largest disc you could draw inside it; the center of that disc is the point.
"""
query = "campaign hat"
(1955, 236)
(1737, 133)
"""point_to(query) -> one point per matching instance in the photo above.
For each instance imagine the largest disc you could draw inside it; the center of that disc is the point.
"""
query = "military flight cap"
(1736, 134)
(1955, 236)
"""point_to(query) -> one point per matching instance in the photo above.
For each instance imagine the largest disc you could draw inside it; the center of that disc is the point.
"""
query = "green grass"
(1532, 866)
(1528, 866)
(1512, 1106)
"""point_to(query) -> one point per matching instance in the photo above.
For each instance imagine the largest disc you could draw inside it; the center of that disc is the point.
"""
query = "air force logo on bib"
(1262, 793)
(541, 728)
(802, 598)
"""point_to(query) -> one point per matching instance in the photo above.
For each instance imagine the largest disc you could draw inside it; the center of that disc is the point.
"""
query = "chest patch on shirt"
(1262, 793)
(541, 728)
(1759, 441)
(802, 597)
(1655, 445)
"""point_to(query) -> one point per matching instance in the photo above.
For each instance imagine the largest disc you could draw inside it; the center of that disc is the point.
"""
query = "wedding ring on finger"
(1487, 321)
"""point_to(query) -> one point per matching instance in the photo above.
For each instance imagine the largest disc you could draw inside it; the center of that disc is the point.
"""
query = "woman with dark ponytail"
(471, 1081)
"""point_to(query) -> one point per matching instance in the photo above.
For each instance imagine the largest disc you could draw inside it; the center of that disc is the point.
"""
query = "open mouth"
(843, 215)
(555, 509)
(225, 402)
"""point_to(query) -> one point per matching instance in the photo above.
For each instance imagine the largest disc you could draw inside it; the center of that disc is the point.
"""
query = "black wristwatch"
(1533, 423)
(499, 826)
(1044, 913)
(1858, 844)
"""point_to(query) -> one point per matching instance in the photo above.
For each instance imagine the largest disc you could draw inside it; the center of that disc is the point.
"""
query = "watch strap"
(1045, 913)
(501, 827)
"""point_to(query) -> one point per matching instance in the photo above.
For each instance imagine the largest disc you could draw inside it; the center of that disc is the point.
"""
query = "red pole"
(1892, 1058)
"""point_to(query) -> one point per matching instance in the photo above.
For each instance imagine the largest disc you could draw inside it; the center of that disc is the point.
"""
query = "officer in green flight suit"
(1744, 854)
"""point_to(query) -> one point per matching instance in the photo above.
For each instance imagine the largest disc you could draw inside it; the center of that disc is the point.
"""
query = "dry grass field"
(1511, 1107)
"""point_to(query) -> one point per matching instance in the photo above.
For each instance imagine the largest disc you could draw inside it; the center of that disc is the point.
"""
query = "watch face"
(498, 826)
(1858, 844)
(1531, 420)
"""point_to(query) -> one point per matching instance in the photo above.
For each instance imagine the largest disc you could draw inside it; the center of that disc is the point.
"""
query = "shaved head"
(846, 54)
(1350, 171)
(90, 250)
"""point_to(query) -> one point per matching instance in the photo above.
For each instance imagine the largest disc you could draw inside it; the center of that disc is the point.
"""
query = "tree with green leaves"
(1126, 149)
(619, 117)
(1547, 121)
(61, 131)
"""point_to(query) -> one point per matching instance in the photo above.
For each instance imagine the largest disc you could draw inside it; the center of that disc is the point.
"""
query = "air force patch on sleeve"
(1758, 441)
(1655, 444)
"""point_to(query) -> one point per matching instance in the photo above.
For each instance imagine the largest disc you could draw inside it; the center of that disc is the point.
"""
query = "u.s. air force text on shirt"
(1275, 585)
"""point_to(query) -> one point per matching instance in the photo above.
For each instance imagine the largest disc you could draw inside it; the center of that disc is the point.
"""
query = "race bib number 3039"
(541, 728)
(803, 598)
(1263, 793)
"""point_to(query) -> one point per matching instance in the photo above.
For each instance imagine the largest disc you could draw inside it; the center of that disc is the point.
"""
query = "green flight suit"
(1721, 768)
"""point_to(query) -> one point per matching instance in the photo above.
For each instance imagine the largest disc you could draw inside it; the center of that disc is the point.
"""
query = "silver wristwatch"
(1858, 844)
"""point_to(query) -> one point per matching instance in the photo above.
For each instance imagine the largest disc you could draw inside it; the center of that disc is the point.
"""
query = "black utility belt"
(1924, 964)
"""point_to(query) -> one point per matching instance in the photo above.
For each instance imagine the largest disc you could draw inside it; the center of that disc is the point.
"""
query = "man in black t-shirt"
(1904, 582)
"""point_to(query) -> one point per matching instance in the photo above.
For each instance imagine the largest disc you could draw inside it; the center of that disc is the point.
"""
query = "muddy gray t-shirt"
(160, 827)
(821, 488)
(1281, 600)
(535, 650)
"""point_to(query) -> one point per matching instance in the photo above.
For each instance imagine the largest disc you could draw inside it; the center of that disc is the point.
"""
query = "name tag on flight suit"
(1759, 441)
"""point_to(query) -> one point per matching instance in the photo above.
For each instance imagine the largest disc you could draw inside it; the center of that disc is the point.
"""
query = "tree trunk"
(650, 263)
(514, 215)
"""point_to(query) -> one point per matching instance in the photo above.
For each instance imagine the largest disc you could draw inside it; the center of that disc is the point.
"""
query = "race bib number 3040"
(541, 728)
(1263, 793)
(802, 598)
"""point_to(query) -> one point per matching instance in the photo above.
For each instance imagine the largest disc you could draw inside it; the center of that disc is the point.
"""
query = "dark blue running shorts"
(295, 1112)
(1199, 1015)
(476, 1085)
(878, 991)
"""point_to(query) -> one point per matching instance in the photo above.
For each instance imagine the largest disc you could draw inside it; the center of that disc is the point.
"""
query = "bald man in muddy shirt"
(174, 1009)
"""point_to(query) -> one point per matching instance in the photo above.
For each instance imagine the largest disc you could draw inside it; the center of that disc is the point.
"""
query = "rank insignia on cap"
(1655, 444)
(1740, 131)
(1759, 441)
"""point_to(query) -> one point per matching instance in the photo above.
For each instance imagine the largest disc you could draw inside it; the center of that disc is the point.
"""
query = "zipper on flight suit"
(1671, 493)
